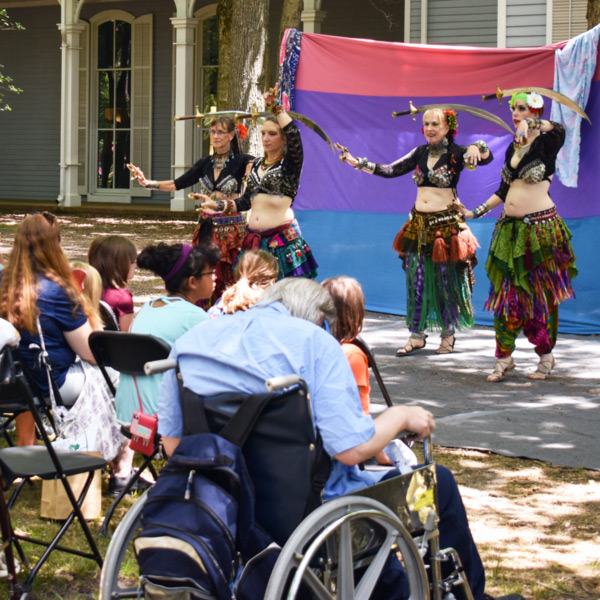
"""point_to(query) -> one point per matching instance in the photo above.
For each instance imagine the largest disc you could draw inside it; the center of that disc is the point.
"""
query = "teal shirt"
(168, 322)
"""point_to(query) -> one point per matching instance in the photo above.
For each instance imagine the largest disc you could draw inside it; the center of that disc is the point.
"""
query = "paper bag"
(55, 502)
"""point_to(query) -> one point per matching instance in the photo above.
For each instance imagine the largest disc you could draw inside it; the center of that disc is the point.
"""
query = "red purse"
(143, 429)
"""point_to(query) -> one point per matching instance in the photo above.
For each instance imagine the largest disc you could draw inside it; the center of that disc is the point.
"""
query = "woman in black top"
(531, 262)
(219, 177)
(272, 185)
(435, 245)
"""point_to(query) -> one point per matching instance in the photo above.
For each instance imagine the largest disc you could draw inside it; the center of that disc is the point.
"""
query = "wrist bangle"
(481, 210)
(533, 123)
(276, 109)
(481, 146)
(153, 185)
(361, 163)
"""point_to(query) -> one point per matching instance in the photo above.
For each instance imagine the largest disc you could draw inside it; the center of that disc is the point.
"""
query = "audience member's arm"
(78, 340)
(170, 444)
(387, 426)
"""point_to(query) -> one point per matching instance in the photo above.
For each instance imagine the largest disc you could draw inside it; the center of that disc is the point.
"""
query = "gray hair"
(304, 298)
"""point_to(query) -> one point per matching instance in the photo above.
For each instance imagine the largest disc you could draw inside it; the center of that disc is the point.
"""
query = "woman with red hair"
(39, 291)
(436, 247)
(531, 262)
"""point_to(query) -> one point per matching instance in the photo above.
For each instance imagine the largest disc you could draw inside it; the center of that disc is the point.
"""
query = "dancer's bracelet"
(481, 210)
(482, 146)
(363, 163)
(276, 109)
(153, 185)
(534, 123)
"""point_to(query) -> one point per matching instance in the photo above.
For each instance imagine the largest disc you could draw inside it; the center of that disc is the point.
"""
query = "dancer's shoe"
(503, 365)
(410, 347)
(446, 347)
(544, 367)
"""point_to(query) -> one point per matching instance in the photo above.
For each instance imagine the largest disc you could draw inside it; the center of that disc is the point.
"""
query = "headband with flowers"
(533, 100)
(242, 130)
(452, 121)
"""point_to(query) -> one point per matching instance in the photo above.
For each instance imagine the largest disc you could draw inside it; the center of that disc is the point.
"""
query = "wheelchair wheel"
(119, 577)
(343, 535)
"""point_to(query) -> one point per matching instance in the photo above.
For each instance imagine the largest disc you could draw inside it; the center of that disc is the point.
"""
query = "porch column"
(312, 16)
(185, 30)
(69, 148)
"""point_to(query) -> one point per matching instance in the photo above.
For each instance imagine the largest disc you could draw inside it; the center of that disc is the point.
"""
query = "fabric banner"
(350, 87)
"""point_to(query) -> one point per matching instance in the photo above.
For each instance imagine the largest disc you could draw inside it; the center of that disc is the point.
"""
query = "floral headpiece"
(533, 100)
(452, 121)
(242, 130)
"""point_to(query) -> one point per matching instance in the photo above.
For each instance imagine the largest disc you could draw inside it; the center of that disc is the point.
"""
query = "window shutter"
(84, 100)
(141, 105)
(568, 19)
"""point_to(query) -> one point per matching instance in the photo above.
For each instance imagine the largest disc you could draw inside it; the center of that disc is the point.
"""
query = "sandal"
(445, 346)
(544, 368)
(503, 365)
(409, 348)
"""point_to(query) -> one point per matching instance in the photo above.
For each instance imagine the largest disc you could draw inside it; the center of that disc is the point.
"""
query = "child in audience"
(189, 275)
(114, 257)
(255, 272)
(349, 302)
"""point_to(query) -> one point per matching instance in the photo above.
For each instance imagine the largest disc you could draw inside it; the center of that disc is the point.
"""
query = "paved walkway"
(557, 420)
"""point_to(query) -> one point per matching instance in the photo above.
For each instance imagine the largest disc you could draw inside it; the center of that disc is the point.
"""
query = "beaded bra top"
(282, 178)
(444, 174)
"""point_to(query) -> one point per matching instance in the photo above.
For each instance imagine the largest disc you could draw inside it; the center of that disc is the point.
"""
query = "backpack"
(198, 526)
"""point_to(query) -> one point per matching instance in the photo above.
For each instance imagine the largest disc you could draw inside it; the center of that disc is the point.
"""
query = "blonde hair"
(255, 272)
(91, 291)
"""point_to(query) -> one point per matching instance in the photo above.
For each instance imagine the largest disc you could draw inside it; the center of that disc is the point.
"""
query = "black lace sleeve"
(400, 167)
(502, 191)
(244, 202)
(193, 175)
(294, 156)
(552, 141)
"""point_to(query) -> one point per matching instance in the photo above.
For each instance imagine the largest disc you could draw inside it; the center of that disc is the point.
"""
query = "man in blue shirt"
(281, 336)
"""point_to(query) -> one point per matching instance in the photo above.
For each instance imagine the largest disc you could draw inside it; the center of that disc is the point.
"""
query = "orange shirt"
(360, 368)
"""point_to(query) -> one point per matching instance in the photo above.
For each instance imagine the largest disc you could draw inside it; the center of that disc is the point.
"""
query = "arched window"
(208, 70)
(120, 103)
(113, 76)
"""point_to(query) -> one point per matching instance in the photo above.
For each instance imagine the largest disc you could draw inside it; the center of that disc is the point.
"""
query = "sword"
(480, 113)
(557, 96)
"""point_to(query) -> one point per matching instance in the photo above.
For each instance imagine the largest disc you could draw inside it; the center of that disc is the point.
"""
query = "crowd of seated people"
(271, 329)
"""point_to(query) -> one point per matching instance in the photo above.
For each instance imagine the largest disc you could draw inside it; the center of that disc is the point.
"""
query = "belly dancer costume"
(437, 248)
(531, 261)
(229, 229)
(281, 179)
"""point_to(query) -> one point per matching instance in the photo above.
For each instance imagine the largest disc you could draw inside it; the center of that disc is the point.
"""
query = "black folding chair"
(127, 353)
(41, 461)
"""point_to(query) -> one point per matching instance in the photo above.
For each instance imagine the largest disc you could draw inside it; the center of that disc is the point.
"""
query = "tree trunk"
(290, 16)
(593, 13)
(243, 32)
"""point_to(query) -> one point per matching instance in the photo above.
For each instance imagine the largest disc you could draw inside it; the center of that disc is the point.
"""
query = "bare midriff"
(525, 198)
(269, 211)
(430, 199)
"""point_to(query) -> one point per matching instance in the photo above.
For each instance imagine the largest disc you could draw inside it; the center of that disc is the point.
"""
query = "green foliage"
(6, 24)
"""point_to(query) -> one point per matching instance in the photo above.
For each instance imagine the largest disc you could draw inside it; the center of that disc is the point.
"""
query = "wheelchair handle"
(283, 381)
(159, 366)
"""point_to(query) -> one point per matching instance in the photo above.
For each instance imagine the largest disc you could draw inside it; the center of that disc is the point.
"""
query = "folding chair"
(127, 353)
(39, 461)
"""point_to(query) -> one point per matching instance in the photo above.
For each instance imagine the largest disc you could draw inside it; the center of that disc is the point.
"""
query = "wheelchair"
(340, 548)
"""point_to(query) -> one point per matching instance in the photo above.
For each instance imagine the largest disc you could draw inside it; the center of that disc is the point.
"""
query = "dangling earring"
(445, 142)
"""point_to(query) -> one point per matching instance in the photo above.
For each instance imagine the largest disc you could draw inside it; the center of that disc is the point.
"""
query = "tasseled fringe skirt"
(530, 265)
(438, 252)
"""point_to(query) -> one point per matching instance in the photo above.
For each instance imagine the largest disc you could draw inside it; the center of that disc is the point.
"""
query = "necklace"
(220, 160)
(436, 150)
(267, 163)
